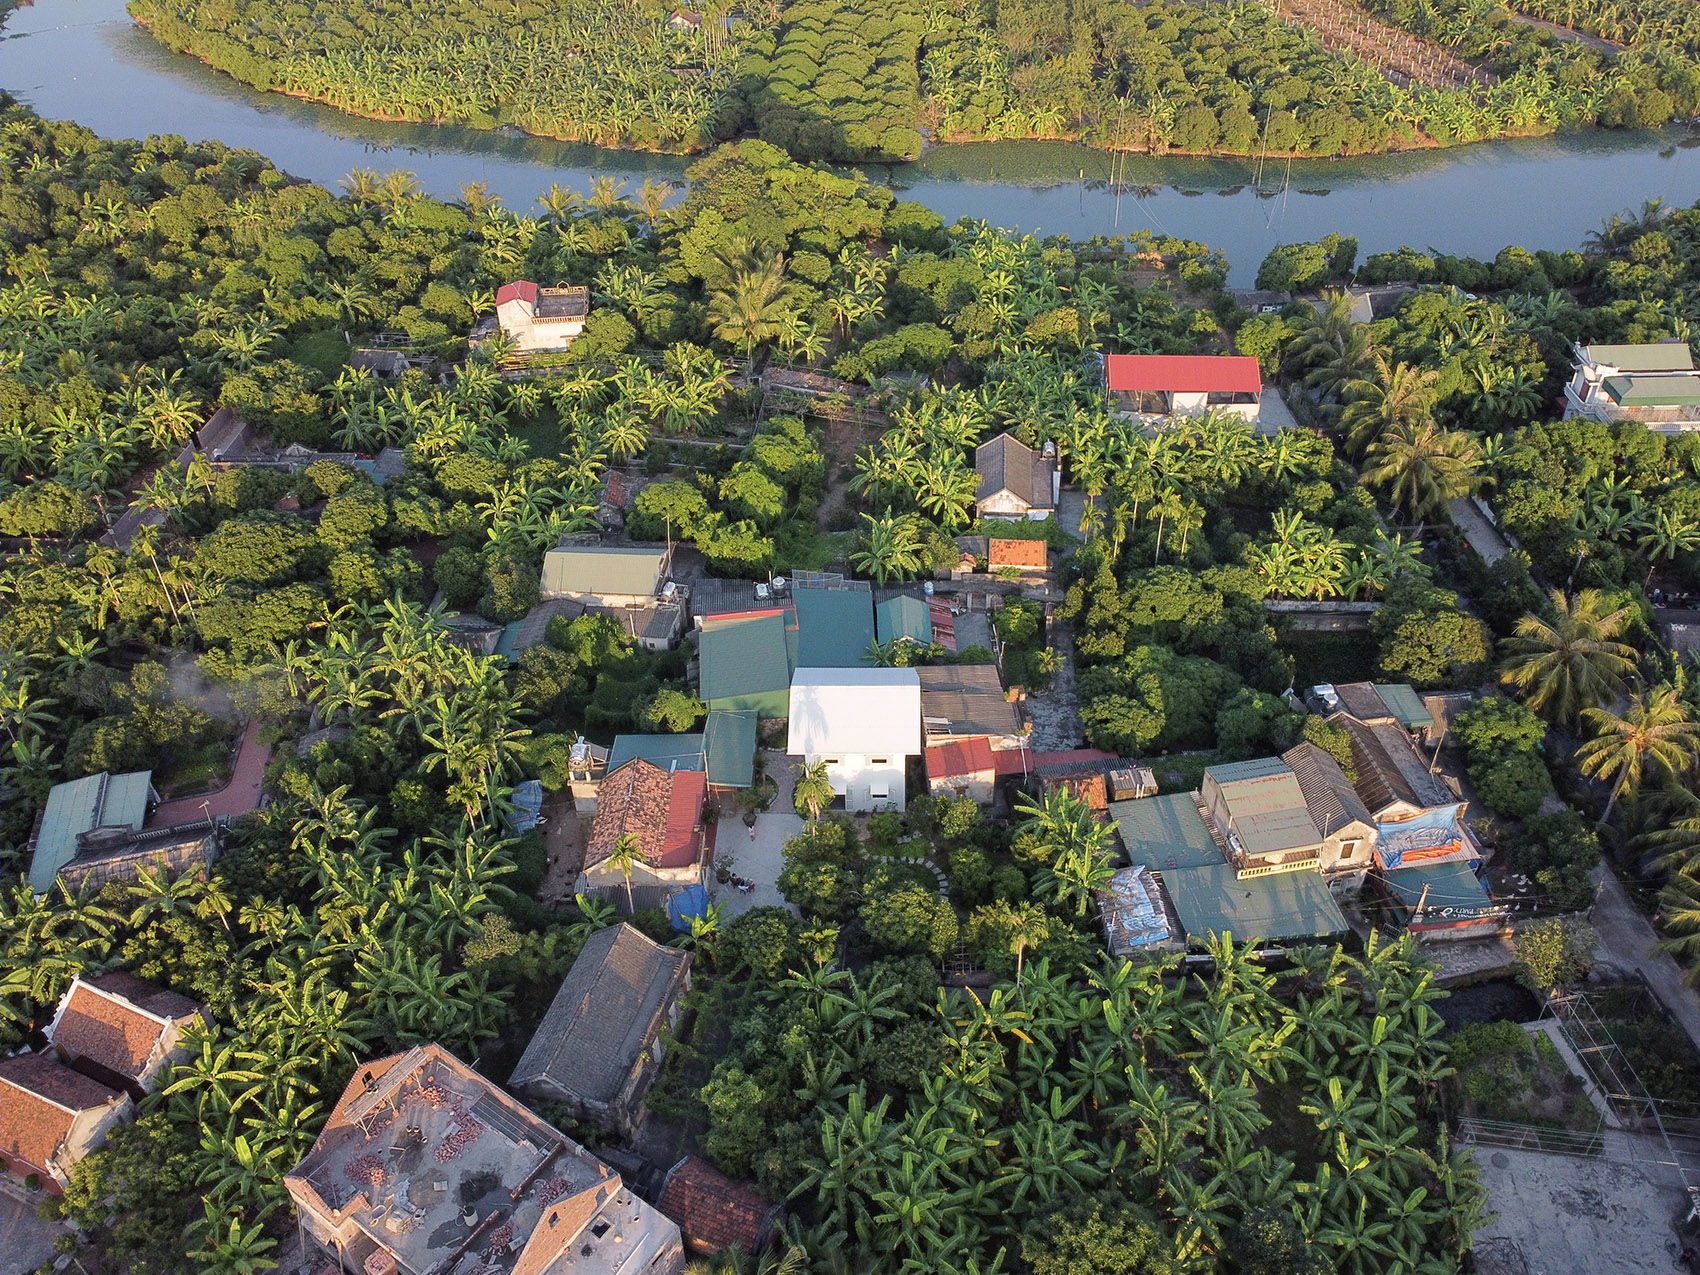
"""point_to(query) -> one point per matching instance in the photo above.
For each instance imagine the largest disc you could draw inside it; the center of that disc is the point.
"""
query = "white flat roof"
(855, 710)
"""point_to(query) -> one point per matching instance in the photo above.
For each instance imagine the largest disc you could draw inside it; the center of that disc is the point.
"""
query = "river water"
(85, 60)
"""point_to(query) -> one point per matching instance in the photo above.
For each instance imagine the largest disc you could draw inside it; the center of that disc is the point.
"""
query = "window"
(879, 792)
(600, 1228)
(878, 761)
(1349, 849)
(830, 761)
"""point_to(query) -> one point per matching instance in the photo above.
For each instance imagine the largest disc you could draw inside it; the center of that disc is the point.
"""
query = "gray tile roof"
(608, 1011)
(1007, 464)
(1389, 770)
(1329, 795)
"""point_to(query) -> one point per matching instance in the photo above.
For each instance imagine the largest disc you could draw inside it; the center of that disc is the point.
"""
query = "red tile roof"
(1183, 373)
(959, 758)
(35, 1092)
(713, 1211)
(1015, 553)
(107, 1031)
(683, 844)
(520, 290)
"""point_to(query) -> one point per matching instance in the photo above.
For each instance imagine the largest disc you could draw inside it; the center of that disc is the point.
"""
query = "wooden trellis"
(1403, 58)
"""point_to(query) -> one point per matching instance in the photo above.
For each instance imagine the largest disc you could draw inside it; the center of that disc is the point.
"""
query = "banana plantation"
(1208, 1101)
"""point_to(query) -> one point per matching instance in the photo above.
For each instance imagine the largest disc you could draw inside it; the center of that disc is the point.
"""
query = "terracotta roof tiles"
(713, 1211)
(39, 1099)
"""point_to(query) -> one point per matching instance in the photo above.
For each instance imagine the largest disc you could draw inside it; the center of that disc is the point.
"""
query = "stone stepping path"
(930, 866)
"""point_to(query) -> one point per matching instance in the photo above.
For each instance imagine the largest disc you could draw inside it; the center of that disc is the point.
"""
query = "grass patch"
(1330, 657)
(324, 351)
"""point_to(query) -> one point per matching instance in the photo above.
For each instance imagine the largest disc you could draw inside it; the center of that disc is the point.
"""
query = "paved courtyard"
(1573, 1216)
(757, 859)
(26, 1242)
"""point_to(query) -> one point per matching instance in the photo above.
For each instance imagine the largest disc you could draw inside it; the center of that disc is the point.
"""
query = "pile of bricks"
(551, 1189)
(366, 1170)
(500, 1238)
(466, 1133)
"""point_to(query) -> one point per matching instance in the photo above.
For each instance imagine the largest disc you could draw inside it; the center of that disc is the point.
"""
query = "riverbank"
(87, 61)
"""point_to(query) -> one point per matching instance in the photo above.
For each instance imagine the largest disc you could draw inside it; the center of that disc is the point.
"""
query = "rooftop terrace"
(425, 1148)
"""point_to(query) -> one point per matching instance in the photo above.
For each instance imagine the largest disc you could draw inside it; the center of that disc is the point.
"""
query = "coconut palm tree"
(813, 792)
(1400, 394)
(1423, 467)
(623, 858)
(752, 304)
(1655, 732)
(1571, 661)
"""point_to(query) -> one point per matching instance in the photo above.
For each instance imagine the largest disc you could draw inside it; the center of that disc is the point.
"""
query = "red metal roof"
(1018, 761)
(519, 290)
(944, 624)
(682, 845)
(959, 758)
(1183, 373)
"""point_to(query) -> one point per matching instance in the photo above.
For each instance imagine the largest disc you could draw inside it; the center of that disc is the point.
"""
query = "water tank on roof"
(669, 591)
(1327, 695)
(779, 586)
(761, 593)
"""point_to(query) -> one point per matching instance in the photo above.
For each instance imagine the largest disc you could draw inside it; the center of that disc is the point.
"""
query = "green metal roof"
(94, 801)
(1405, 705)
(835, 627)
(670, 752)
(1234, 772)
(1653, 391)
(1164, 833)
(743, 657)
(730, 738)
(603, 569)
(904, 616)
(1449, 885)
(1662, 356)
(1281, 906)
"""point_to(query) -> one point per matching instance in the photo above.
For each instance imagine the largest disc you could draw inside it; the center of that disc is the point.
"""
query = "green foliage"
(47, 509)
(1427, 639)
(1502, 742)
(736, 1123)
(1553, 952)
(904, 917)
(1559, 851)
(1305, 267)
(1153, 698)
(1106, 1235)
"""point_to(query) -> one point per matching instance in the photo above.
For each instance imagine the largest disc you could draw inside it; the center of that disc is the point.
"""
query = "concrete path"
(760, 858)
(1629, 943)
(1055, 713)
(237, 797)
(1484, 537)
(1273, 414)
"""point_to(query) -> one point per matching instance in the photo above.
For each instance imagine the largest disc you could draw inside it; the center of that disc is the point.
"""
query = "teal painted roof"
(744, 657)
(1450, 885)
(670, 752)
(1282, 906)
(835, 627)
(94, 801)
(1164, 833)
(1405, 705)
(904, 616)
(730, 741)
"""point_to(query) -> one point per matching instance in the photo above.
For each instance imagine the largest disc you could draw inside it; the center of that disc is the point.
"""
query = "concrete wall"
(856, 777)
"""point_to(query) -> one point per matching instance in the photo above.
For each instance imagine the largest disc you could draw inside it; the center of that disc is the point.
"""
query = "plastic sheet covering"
(1133, 911)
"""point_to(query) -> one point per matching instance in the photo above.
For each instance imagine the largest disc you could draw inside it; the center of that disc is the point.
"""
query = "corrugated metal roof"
(1285, 905)
(1644, 390)
(1165, 833)
(861, 711)
(1234, 772)
(1132, 912)
(904, 616)
(743, 657)
(967, 699)
(1449, 885)
(76, 807)
(1662, 356)
(682, 845)
(1405, 705)
(1183, 373)
(729, 739)
(1332, 800)
(518, 290)
(603, 570)
(670, 752)
(835, 627)
(960, 758)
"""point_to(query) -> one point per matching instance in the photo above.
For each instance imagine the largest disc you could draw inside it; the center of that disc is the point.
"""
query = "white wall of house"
(520, 325)
(866, 782)
(88, 1134)
(978, 785)
(1005, 504)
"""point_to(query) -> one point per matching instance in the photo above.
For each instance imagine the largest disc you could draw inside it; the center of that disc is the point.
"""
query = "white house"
(1183, 384)
(541, 319)
(864, 723)
(1656, 384)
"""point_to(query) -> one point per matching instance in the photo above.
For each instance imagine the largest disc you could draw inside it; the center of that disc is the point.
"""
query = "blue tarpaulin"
(1432, 834)
(685, 904)
(527, 799)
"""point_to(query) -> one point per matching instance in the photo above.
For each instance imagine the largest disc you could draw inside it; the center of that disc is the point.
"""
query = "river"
(85, 60)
